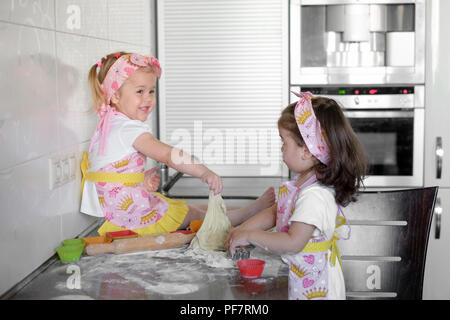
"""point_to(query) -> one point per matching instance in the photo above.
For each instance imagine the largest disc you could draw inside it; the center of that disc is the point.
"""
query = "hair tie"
(310, 128)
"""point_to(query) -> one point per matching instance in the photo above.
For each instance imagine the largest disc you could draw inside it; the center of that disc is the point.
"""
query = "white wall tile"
(85, 17)
(130, 21)
(5, 10)
(29, 106)
(36, 13)
(72, 220)
(45, 112)
(76, 55)
(7, 114)
(29, 223)
(115, 46)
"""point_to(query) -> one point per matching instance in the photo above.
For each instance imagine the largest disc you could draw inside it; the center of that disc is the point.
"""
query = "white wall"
(47, 48)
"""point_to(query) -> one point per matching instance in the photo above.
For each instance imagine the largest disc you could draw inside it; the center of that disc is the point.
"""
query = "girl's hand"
(237, 238)
(151, 181)
(229, 236)
(213, 180)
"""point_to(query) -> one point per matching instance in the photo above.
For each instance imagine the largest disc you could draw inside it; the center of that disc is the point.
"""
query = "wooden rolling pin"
(144, 243)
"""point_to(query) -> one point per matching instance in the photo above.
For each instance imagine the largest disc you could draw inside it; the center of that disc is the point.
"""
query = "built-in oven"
(389, 121)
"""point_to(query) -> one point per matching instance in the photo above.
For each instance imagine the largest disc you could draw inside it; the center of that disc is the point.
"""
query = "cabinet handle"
(439, 156)
(437, 217)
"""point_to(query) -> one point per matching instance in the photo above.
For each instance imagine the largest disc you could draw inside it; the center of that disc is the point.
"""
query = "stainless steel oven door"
(394, 142)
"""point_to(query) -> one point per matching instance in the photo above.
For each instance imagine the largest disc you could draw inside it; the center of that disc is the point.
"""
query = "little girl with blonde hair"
(115, 184)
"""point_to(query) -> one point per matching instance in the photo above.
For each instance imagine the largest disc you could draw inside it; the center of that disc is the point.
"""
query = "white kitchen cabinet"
(437, 120)
(437, 93)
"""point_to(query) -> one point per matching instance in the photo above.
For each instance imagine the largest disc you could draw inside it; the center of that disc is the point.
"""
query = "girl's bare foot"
(237, 215)
(266, 200)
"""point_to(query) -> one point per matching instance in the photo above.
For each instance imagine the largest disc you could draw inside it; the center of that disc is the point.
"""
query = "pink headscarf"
(310, 128)
(125, 66)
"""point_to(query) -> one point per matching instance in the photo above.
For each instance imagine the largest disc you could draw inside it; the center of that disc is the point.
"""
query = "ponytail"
(95, 79)
(98, 97)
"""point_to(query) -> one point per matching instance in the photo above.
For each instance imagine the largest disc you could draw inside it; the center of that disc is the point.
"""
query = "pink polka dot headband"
(310, 128)
(124, 67)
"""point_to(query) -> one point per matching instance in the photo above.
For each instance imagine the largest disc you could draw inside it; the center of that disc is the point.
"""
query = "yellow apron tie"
(85, 165)
(325, 245)
(335, 251)
(340, 221)
(108, 177)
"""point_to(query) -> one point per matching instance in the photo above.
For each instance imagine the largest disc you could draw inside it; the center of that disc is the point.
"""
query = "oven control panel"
(368, 97)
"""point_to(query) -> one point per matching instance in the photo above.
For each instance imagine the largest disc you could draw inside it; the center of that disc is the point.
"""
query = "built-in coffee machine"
(357, 42)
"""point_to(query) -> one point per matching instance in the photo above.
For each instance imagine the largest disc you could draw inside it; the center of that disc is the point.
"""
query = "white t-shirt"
(316, 206)
(123, 132)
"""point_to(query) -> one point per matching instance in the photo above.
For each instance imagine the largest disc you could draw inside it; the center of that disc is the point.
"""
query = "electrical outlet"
(65, 170)
(54, 171)
(72, 167)
(62, 170)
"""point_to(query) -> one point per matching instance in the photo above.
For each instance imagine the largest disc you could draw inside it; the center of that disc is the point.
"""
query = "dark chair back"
(385, 255)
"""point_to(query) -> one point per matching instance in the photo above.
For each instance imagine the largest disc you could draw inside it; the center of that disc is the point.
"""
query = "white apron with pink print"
(129, 206)
(308, 269)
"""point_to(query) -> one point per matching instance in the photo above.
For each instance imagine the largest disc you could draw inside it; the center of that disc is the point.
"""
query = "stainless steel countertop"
(158, 275)
(167, 274)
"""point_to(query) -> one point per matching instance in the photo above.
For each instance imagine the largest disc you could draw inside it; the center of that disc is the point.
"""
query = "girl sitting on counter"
(115, 185)
(320, 146)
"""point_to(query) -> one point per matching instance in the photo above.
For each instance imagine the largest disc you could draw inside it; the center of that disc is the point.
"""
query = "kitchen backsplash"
(47, 49)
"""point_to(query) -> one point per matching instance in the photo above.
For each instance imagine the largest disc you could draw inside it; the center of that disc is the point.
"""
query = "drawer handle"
(439, 156)
(438, 217)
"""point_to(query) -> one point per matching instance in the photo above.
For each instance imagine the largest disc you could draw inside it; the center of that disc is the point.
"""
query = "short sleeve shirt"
(316, 206)
(123, 133)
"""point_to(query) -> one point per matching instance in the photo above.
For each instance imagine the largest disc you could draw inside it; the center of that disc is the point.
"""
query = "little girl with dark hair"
(321, 147)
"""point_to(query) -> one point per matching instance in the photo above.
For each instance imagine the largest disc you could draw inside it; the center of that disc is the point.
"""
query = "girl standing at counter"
(115, 185)
(321, 147)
